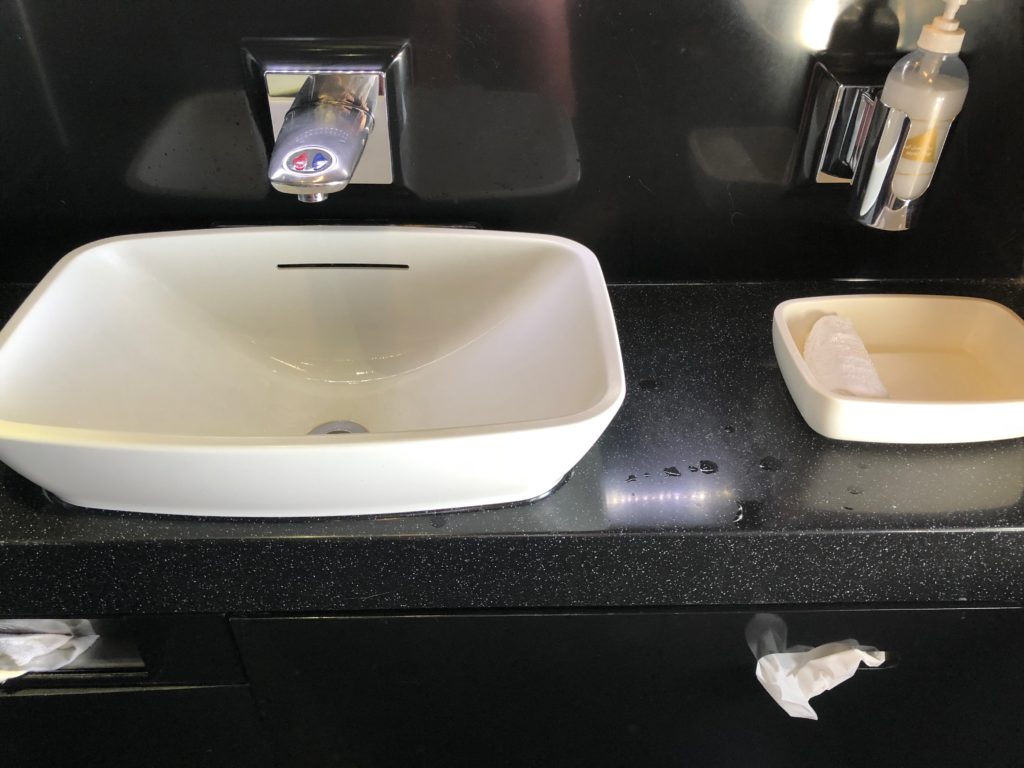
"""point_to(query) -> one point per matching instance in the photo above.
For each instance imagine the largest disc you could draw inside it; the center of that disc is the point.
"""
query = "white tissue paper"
(839, 360)
(794, 675)
(41, 645)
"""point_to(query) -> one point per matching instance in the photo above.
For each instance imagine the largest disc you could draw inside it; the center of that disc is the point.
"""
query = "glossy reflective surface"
(660, 134)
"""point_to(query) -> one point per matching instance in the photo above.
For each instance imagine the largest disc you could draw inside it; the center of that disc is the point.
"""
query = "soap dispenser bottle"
(930, 86)
(923, 94)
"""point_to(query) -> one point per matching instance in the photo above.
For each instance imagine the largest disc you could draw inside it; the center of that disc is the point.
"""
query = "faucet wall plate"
(279, 68)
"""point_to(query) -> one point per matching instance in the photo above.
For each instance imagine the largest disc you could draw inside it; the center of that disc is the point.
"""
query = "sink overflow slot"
(342, 265)
(338, 428)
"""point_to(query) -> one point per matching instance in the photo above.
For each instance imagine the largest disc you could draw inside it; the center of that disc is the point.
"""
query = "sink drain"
(338, 428)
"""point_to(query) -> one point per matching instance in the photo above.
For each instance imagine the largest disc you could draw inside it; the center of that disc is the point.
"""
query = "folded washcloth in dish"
(839, 360)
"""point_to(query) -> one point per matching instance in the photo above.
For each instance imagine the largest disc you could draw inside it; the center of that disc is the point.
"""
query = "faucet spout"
(323, 135)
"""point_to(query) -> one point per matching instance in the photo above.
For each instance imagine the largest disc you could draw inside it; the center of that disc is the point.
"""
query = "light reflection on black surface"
(919, 481)
(687, 503)
(205, 147)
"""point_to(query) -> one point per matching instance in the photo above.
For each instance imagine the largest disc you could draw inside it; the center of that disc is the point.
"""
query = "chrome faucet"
(319, 103)
(324, 134)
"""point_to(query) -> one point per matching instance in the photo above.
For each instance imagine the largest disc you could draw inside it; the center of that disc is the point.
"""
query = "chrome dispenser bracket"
(850, 136)
(835, 122)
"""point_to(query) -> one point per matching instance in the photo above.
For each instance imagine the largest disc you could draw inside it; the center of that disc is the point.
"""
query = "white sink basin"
(183, 372)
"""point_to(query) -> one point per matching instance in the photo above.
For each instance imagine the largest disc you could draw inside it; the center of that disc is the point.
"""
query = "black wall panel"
(660, 133)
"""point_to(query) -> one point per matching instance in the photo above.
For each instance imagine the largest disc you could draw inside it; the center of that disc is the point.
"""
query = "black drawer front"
(630, 689)
(156, 727)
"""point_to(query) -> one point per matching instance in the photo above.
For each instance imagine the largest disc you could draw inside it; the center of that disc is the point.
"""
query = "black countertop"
(787, 517)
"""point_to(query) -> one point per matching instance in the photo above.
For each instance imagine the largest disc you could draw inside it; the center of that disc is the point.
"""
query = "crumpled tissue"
(41, 645)
(794, 675)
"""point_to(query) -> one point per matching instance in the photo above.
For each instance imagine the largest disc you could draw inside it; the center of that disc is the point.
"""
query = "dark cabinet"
(595, 689)
(653, 688)
(131, 727)
(152, 691)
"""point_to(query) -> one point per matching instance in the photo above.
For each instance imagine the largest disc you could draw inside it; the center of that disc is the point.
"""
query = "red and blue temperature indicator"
(308, 160)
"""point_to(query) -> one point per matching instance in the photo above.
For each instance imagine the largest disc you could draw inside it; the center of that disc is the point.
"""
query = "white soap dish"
(953, 365)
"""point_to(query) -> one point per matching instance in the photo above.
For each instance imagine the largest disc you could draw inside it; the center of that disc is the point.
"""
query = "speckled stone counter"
(778, 516)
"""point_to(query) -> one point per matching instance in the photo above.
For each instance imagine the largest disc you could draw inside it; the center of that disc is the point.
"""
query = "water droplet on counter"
(848, 509)
(739, 512)
(648, 384)
(671, 472)
(729, 429)
(707, 467)
(854, 490)
(693, 468)
(770, 464)
(631, 479)
(647, 474)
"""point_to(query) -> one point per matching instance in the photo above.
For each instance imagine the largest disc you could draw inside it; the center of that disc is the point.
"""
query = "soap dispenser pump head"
(952, 6)
(944, 34)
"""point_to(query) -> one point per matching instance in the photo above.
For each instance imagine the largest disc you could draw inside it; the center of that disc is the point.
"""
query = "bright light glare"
(816, 23)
